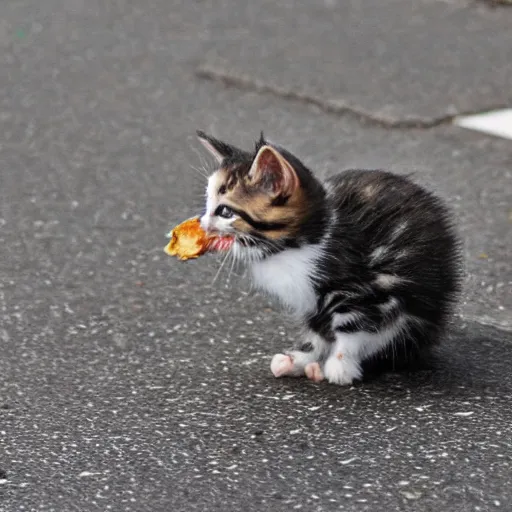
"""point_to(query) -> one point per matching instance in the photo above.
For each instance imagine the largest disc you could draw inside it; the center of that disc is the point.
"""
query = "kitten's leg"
(314, 372)
(343, 365)
(301, 360)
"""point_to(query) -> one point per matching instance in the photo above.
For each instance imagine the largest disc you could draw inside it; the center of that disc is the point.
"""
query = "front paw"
(281, 365)
(342, 370)
(314, 372)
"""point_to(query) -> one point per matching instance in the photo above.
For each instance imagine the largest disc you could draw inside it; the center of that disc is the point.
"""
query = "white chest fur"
(288, 276)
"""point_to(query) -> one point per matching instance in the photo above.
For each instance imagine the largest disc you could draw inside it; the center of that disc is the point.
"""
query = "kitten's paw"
(281, 365)
(314, 372)
(342, 370)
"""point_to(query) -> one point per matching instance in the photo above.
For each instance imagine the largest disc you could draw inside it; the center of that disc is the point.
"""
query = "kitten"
(367, 260)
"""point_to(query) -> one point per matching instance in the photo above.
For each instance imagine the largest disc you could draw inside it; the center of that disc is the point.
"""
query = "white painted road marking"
(496, 122)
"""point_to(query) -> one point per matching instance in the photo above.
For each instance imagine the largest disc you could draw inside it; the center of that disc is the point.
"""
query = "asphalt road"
(133, 382)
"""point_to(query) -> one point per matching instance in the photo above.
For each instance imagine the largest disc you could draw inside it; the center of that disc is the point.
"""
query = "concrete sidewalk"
(129, 381)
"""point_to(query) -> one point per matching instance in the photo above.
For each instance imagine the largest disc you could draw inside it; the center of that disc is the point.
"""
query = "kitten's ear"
(218, 149)
(273, 171)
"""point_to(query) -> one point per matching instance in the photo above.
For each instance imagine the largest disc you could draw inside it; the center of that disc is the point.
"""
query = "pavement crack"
(244, 82)
(496, 3)
(488, 321)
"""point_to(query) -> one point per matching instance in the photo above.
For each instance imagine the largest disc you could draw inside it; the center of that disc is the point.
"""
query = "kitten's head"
(268, 200)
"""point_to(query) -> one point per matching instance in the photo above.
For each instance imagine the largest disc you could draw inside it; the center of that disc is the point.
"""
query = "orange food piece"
(189, 240)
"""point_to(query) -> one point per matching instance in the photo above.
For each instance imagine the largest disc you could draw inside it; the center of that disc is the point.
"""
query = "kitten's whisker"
(220, 268)
(233, 260)
(200, 171)
(206, 168)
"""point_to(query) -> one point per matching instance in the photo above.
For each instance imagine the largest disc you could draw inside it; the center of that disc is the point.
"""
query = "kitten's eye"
(224, 211)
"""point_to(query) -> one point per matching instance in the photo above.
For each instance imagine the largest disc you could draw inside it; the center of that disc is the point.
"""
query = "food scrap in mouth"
(189, 241)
